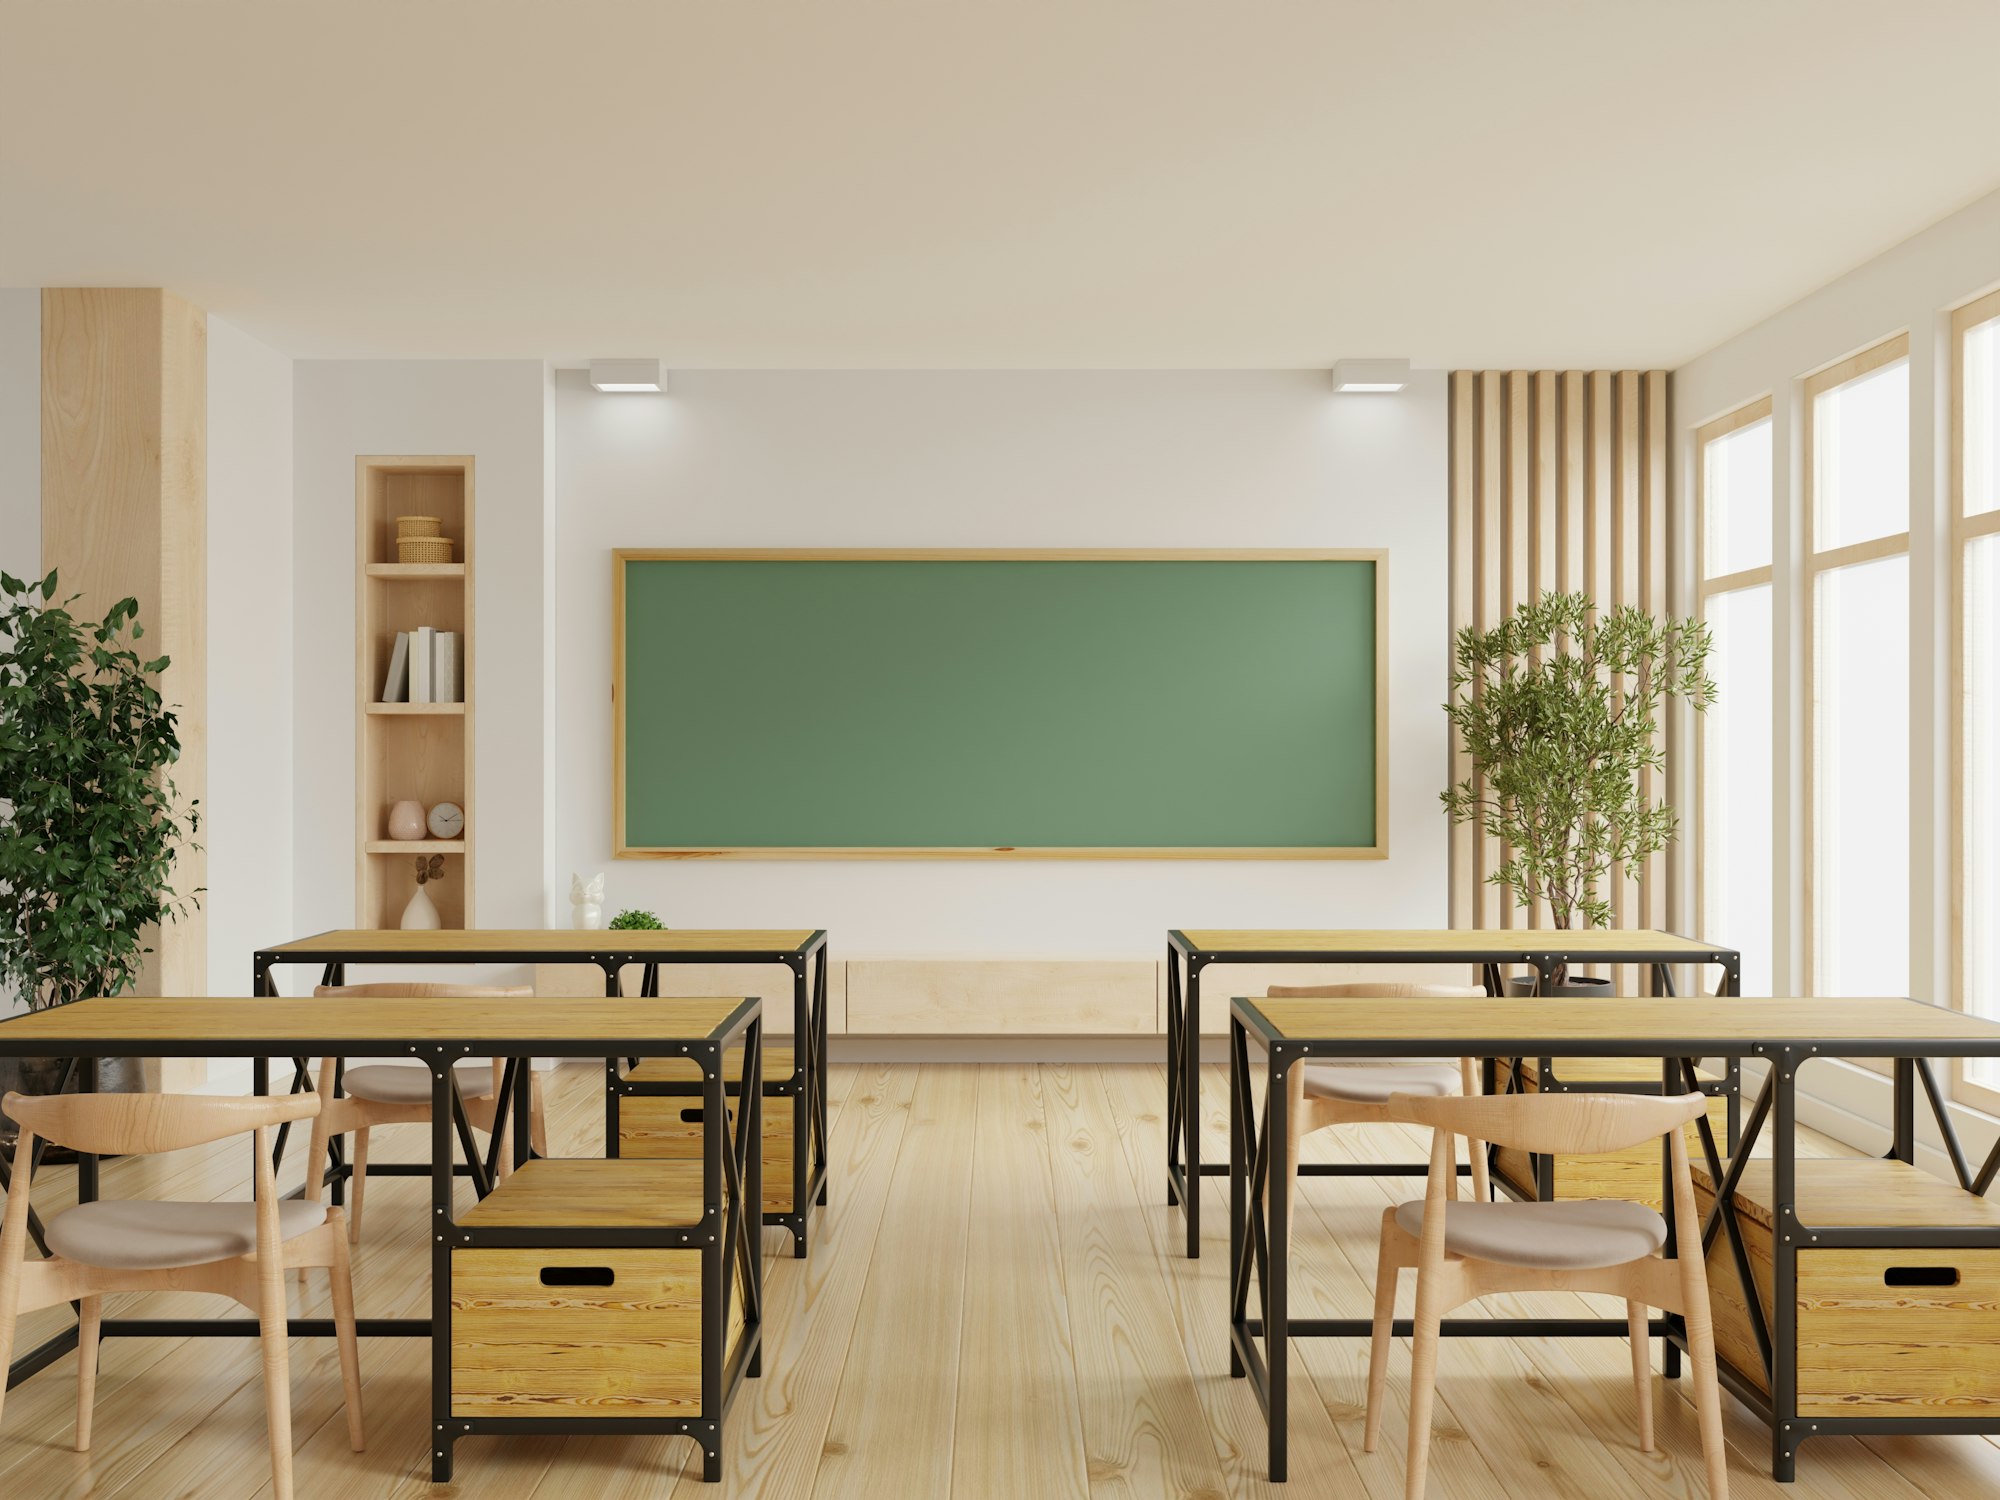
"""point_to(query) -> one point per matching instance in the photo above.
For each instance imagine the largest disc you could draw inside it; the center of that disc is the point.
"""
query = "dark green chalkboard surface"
(1151, 704)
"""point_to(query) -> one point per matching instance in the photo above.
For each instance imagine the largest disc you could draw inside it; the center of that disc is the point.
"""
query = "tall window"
(1857, 443)
(1735, 793)
(1975, 434)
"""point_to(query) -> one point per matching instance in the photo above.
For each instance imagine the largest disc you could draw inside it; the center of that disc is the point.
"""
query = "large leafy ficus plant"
(89, 818)
(1558, 708)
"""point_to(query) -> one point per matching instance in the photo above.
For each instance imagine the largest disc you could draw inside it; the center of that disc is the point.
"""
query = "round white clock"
(447, 821)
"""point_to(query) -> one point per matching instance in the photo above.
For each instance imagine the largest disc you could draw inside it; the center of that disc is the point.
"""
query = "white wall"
(493, 410)
(247, 817)
(21, 430)
(1912, 289)
(991, 460)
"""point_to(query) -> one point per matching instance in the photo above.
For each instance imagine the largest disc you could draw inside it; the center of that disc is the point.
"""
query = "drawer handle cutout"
(578, 1276)
(1920, 1276)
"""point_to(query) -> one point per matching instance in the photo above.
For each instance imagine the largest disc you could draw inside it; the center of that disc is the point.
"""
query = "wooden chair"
(400, 1094)
(1335, 1092)
(237, 1250)
(1464, 1251)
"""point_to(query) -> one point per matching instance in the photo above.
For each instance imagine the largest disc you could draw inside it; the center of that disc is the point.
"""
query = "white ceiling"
(941, 183)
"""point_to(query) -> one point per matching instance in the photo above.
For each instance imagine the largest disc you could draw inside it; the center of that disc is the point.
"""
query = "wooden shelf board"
(416, 570)
(416, 708)
(416, 846)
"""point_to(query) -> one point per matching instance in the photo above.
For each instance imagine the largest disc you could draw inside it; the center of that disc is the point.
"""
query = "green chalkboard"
(1145, 704)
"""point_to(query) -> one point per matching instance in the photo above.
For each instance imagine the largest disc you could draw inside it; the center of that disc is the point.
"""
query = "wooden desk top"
(1470, 944)
(1694, 1026)
(280, 1027)
(529, 944)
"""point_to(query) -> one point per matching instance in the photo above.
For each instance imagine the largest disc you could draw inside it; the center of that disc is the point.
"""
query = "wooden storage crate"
(1636, 1173)
(669, 1126)
(584, 1332)
(1881, 1333)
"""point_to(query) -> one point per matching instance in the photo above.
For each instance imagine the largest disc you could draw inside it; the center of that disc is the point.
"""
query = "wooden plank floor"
(996, 1306)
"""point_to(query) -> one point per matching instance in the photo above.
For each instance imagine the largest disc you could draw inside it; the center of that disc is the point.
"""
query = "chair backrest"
(1570, 1124)
(141, 1124)
(1362, 989)
(397, 990)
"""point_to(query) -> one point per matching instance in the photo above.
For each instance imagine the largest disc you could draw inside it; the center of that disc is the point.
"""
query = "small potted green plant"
(90, 822)
(633, 920)
(1558, 707)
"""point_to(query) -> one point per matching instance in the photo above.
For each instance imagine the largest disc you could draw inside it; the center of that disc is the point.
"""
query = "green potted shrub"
(633, 920)
(1558, 707)
(89, 818)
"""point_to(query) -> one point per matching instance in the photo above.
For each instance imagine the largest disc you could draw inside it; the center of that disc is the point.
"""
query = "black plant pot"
(1575, 987)
(42, 1075)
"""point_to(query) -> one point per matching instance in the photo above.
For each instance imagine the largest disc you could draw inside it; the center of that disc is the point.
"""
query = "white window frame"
(1964, 529)
(1708, 588)
(1817, 563)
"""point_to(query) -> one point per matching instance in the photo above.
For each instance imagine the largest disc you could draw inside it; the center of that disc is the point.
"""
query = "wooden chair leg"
(1440, 1187)
(342, 1277)
(13, 1251)
(1295, 1108)
(1695, 1317)
(319, 1151)
(1468, 1083)
(538, 1119)
(89, 1320)
(1423, 1382)
(503, 1126)
(1637, 1318)
(1386, 1270)
(273, 1330)
(356, 1185)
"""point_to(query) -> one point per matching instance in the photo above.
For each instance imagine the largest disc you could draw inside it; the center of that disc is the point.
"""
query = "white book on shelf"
(421, 678)
(396, 686)
(444, 666)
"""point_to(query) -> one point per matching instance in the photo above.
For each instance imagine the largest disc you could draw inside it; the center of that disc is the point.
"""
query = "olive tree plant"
(90, 821)
(1558, 708)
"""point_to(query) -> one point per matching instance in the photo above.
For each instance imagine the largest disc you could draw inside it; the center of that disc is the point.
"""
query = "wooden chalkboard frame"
(1379, 557)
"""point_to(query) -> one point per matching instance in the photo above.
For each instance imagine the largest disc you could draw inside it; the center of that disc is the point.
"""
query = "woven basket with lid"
(412, 526)
(423, 549)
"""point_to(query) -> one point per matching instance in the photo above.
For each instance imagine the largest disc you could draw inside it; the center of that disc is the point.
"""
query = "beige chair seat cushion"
(1373, 1083)
(1565, 1235)
(401, 1083)
(141, 1235)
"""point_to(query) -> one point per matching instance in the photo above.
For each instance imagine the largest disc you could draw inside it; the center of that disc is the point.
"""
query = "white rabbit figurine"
(586, 901)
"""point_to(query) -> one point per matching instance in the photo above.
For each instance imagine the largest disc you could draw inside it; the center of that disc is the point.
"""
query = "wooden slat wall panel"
(1558, 481)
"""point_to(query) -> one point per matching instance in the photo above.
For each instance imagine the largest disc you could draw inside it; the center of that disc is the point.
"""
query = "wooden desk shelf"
(660, 1118)
(568, 1330)
(1883, 1331)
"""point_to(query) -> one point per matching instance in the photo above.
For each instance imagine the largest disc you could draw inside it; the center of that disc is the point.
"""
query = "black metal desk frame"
(805, 1087)
(1184, 1163)
(732, 1174)
(1259, 1213)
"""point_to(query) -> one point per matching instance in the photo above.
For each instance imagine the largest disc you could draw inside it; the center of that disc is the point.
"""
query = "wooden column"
(124, 511)
(1558, 481)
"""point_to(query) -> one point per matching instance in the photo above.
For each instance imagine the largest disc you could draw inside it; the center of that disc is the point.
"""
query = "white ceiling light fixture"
(627, 375)
(1370, 376)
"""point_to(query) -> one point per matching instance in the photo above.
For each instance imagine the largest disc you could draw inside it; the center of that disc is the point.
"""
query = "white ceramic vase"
(421, 915)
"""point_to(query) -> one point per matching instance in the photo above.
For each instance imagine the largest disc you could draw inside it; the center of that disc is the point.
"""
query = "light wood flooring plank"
(1135, 1390)
(1200, 1295)
(1018, 1430)
(893, 1416)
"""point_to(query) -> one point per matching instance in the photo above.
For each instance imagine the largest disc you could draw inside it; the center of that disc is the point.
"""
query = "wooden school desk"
(1786, 1034)
(1490, 949)
(604, 1206)
(801, 950)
